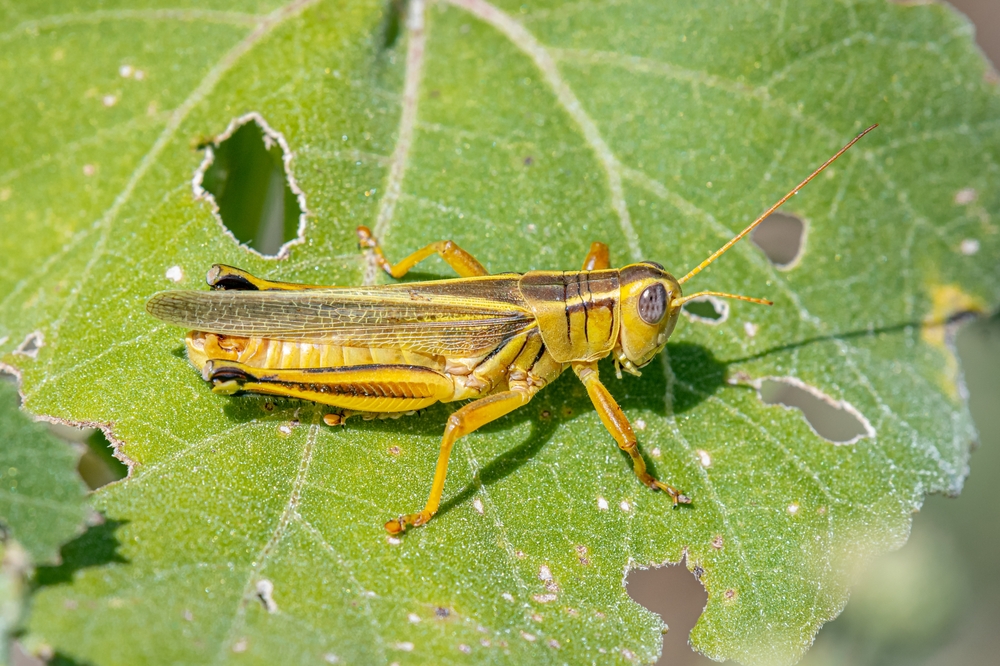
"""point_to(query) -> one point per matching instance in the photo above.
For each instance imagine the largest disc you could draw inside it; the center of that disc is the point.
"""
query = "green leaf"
(42, 498)
(42, 505)
(248, 530)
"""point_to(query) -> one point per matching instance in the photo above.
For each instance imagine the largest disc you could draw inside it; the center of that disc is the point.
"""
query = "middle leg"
(465, 420)
(464, 263)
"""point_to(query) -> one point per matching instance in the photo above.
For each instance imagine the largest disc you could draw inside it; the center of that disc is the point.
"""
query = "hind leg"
(383, 389)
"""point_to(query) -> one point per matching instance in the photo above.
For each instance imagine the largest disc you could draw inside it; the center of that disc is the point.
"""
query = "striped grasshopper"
(390, 349)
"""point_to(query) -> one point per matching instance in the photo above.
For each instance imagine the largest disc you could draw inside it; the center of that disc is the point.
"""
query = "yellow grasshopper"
(495, 339)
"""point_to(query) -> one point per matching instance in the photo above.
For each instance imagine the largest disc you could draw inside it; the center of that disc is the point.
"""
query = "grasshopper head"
(648, 313)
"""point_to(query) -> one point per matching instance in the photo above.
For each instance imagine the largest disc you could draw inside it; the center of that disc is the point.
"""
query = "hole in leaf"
(98, 465)
(244, 172)
(703, 309)
(781, 237)
(31, 345)
(678, 598)
(708, 310)
(985, 17)
(833, 420)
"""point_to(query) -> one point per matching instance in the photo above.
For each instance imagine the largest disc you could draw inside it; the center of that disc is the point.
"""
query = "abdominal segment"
(279, 354)
(360, 379)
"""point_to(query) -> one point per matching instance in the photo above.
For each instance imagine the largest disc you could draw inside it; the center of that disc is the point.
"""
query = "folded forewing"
(432, 320)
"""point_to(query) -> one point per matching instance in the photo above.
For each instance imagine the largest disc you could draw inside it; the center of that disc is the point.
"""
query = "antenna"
(722, 250)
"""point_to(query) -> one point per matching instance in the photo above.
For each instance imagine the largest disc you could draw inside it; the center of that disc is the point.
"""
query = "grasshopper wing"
(445, 317)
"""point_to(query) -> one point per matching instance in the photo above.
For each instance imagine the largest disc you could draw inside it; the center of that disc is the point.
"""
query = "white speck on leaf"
(965, 196)
(544, 598)
(750, 328)
(602, 504)
(126, 71)
(393, 541)
(704, 458)
(656, 453)
(478, 505)
(625, 506)
(405, 646)
(175, 274)
(793, 508)
(544, 573)
(413, 617)
(240, 646)
(109, 100)
(969, 246)
(265, 589)
(640, 424)
(508, 596)
(89, 170)
(331, 658)
(528, 637)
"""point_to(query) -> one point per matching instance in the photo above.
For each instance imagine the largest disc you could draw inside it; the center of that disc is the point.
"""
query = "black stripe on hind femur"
(232, 282)
(226, 373)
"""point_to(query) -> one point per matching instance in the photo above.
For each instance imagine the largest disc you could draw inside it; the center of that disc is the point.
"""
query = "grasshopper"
(397, 348)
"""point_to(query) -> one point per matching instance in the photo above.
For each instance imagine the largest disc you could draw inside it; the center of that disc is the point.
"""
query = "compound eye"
(653, 304)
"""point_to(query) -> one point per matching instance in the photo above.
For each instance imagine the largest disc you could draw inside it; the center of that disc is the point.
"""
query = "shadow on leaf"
(693, 364)
(95, 547)
(505, 464)
(61, 659)
(956, 319)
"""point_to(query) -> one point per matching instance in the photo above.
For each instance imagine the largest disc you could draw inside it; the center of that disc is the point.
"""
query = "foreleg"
(615, 421)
